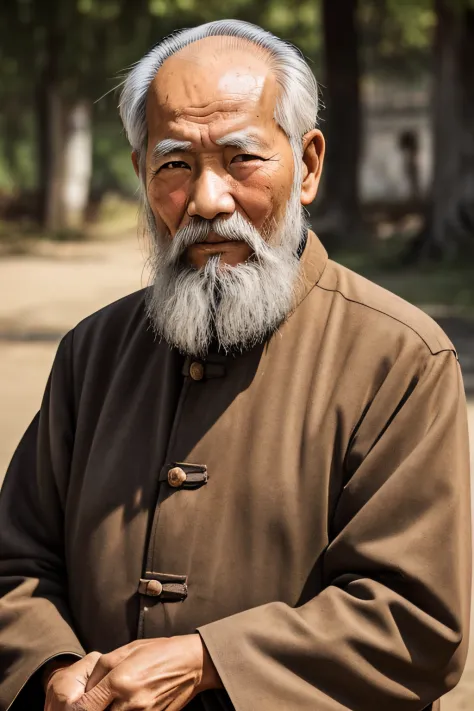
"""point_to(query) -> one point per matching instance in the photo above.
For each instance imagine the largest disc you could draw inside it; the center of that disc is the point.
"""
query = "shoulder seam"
(394, 318)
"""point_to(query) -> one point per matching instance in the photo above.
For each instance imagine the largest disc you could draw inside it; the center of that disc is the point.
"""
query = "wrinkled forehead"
(213, 81)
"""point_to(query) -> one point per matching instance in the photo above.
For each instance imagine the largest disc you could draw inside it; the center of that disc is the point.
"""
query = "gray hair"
(297, 106)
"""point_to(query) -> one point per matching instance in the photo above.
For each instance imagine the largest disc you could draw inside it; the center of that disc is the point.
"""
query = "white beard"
(238, 306)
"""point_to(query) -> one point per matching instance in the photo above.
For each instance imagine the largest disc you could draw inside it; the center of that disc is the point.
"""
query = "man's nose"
(210, 196)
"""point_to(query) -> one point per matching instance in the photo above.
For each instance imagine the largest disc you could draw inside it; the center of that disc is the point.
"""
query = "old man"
(247, 485)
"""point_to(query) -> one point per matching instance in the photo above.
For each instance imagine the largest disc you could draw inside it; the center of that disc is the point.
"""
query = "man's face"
(223, 200)
(214, 148)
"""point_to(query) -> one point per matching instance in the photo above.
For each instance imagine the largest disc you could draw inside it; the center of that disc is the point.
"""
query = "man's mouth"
(213, 239)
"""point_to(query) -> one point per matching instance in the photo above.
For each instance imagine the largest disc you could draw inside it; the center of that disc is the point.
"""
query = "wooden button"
(196, 371)
(176, 477)
(154, 588)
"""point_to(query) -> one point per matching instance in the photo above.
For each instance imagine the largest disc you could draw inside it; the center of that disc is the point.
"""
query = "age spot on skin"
(234, 82)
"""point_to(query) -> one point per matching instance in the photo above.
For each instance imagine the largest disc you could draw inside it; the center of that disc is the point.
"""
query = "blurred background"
(396, 202)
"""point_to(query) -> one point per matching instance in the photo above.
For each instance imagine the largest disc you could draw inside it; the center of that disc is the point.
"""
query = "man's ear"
(135, 163)
(313, 157)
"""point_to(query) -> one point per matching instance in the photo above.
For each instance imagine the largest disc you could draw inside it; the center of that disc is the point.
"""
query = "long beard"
(237, 306)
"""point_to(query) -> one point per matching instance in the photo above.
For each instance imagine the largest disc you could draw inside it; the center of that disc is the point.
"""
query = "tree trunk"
(446, 123)
(50, 137)
(451, 220)
(464, 212)
(77, 164)
(12, 137)
(343, 117)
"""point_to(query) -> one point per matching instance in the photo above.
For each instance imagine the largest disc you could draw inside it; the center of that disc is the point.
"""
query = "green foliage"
(112, 167)
(396, 37)
(411, 22)
(299, 23)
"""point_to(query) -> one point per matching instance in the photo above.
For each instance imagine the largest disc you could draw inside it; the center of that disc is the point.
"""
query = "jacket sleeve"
(389, 628)
(35, 623)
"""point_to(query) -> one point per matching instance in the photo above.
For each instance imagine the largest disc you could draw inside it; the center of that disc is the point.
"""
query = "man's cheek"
(177, 200)
(170, 206)
(257, 203)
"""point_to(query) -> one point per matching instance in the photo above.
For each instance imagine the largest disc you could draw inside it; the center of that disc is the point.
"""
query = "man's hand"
(66, 683)
(152, 674)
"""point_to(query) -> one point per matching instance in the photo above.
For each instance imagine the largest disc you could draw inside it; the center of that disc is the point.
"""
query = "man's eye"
(244, 158)
(174, 164)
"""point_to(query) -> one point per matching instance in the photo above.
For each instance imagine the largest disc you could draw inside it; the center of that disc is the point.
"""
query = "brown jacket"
(323, 548)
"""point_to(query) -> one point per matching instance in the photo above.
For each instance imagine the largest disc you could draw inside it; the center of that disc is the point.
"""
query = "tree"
(50, 120)
(451, 218)
(342, 118)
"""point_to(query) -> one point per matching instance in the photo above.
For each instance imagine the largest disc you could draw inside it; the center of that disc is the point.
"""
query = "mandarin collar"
(313, 262)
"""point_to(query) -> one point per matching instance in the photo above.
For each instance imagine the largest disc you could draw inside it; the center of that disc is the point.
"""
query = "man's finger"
(87, 664)
(97, 699)
(102, 667)
(106, 662)
(69, 683)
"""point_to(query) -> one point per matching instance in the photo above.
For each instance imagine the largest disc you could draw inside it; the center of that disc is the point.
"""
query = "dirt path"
(42, 296)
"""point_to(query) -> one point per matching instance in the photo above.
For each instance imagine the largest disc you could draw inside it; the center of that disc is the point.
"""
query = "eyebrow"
(170, 145)
(244, 139)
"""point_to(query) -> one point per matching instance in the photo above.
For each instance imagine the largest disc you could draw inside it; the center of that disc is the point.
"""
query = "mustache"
(233, 229)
